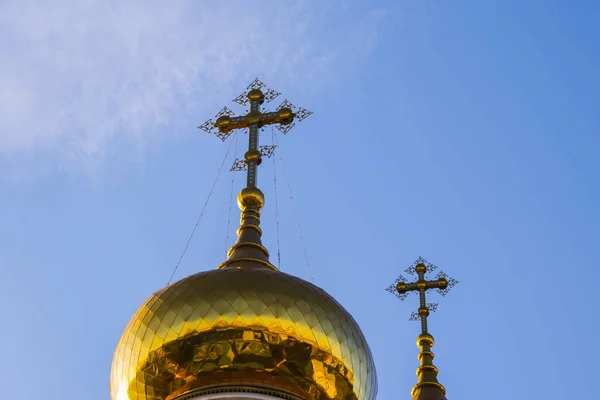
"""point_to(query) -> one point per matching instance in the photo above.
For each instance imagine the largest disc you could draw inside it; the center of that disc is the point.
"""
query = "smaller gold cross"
(427, 386)
(401, 288)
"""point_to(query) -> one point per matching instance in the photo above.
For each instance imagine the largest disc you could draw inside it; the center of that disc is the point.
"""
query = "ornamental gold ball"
(256, 94)
(254, 117)
(253, 155)
(421, 268)
(442, 283)
(401, 287)
(251, 196)
(223, 121)
(425, 339)
(286, 115)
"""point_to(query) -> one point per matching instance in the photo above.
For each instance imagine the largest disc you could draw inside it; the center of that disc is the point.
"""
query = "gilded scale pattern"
(263, 324)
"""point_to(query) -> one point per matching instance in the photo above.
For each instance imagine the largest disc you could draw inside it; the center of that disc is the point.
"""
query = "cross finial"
(427, 386)
(248, 247)
(255, 119)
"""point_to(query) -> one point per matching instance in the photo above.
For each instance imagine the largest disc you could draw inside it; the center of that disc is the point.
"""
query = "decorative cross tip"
(224, 111)
(303, 113)
(256, 84)
(242, 165)
(267, 151)
(420, 260)
(239, 165)
(285, 128)
(392, 288)
(208, 126)
(412, 269)
(223, 135)
(451, 282)
(242, 99)
(271, 95)
(286, 104)
(300, 115)
(415, 316)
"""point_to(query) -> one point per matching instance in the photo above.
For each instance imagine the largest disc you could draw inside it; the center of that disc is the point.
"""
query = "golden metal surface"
(246, 325)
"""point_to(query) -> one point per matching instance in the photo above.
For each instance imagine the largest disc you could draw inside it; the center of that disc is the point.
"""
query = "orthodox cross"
(427, 386)
(255, 119)
(401, 288)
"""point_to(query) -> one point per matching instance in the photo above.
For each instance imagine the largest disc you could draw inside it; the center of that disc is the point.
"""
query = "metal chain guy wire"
(212, 189)
(276, 201)
(278, 149)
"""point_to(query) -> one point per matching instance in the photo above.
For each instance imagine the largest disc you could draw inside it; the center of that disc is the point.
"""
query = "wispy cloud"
(78, 75)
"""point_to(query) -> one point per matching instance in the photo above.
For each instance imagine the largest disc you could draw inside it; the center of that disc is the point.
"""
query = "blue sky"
(465, 132)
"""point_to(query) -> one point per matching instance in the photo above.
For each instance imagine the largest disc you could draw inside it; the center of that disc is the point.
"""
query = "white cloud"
(79, 75)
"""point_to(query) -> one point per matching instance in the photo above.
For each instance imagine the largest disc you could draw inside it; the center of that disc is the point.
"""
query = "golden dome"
(243, 327)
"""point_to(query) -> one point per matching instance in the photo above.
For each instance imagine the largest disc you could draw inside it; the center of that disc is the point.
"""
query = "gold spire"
(427, 387)
(248, 249)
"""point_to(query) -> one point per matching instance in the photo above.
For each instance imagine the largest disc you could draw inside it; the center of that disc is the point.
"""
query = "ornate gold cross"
(427, 386)
(255, 119)
(401, 288)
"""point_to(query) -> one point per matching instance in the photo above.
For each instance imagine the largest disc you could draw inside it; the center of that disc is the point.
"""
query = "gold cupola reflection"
(244, 327)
